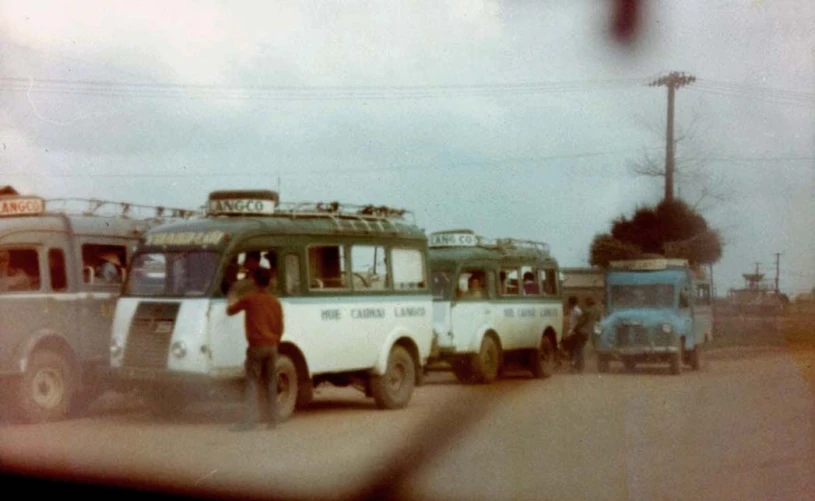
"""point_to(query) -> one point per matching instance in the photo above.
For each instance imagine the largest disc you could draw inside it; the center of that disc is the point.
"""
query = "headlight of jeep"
(179, 349)
(598, 329)
(667, 329)
(115, 348)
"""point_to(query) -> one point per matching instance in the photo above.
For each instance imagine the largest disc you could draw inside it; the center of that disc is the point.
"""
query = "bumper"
(638, 352)
(129, 378)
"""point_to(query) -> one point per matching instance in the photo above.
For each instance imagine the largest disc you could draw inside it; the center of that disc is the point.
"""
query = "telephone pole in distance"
(672, 81)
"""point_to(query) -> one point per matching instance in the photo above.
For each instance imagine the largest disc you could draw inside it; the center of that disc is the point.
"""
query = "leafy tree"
(671, 229)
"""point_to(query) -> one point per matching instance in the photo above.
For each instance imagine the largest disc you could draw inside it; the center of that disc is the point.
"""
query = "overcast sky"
(513, 118)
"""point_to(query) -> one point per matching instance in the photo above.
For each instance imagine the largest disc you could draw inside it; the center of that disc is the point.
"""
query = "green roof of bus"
(79, 225)
(452, 256)
(283, 224)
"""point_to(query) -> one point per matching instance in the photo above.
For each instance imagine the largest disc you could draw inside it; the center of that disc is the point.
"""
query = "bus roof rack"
(468, 238)
(515, 243)
(108, 208)
(342, 211)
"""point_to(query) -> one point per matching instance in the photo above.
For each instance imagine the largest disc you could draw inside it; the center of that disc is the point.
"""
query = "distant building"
(582, 283)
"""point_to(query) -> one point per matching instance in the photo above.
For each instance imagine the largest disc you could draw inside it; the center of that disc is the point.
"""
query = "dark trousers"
(261, 384)
(577, 345)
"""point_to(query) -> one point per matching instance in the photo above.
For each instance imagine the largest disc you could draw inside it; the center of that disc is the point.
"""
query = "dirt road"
(742, 428)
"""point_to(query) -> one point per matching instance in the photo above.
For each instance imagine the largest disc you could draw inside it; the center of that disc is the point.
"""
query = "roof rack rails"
(515, 243)
(367, 216)
(108, 208)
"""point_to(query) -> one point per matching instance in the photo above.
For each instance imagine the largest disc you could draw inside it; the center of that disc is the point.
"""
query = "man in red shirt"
(264, 328)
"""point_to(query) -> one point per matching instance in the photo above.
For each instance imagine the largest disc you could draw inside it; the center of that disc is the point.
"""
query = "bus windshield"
(641, 296)
(172, 274)
(442, 285)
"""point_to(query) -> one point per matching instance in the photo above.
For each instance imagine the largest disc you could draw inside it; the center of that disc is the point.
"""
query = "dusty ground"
(742, 428)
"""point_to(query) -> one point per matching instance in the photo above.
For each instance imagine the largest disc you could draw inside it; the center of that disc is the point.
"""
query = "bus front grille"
(150, 334)
(632, 335)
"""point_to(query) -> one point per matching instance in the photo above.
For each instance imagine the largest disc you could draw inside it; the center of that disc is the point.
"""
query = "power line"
(388, 170)
(393, 169)
(754, 89)
(101, 88)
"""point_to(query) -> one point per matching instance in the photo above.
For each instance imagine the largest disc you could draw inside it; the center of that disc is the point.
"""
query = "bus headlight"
(115, 349)
(666, 328)
(179, 349)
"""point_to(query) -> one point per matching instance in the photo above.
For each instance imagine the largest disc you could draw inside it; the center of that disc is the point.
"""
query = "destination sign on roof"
(185, 238)
(648, 264)
(241, 207)
(21, 206)
(453, 240)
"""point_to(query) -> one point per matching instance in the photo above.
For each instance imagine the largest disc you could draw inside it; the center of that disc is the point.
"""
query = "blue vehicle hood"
(647, 317)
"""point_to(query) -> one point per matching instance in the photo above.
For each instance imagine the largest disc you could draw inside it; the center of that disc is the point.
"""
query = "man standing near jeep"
(264, 328)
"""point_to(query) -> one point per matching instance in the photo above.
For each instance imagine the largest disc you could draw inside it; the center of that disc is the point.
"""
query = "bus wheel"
(393, 389)
(676, 363)
(287, 387)
(46, 388)
(487, 361)
(693, 358)
(542, 360)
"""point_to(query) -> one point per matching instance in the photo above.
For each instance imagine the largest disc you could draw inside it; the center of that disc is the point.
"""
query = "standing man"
(584, 329)
(572, 316)
(264, 328)
(251, 263)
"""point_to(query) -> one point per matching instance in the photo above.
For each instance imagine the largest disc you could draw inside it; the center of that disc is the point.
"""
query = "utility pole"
(777, 271)
(673, 81)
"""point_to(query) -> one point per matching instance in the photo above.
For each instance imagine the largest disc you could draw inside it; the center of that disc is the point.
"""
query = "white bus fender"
(399, 332)
(24, 350)
(475, 342)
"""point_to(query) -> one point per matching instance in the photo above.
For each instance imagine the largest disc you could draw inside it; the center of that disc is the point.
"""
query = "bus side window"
(409, 269)
(531, 287)
(56, 269)
(103, 264)
(548, 279)
(509, 282)
(19, 270)
(368, 266)
(292, 274)
(327, 267)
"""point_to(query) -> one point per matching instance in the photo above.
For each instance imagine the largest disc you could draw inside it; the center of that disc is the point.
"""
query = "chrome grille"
(151, 331)
(632, 335)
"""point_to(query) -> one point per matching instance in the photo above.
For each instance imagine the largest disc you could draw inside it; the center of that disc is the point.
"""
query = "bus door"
(472, 307)
(102, 265)
(702, 312)
(510, 323)
(23, 304)
(227, 336)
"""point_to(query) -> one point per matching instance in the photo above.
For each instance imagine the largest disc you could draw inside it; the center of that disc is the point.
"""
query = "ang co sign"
(453, 240)
(241, 207)
(21, 206)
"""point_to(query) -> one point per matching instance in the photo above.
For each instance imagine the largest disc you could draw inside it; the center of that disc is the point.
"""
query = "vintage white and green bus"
(497, 304)
(61, 264)
(353, 282)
